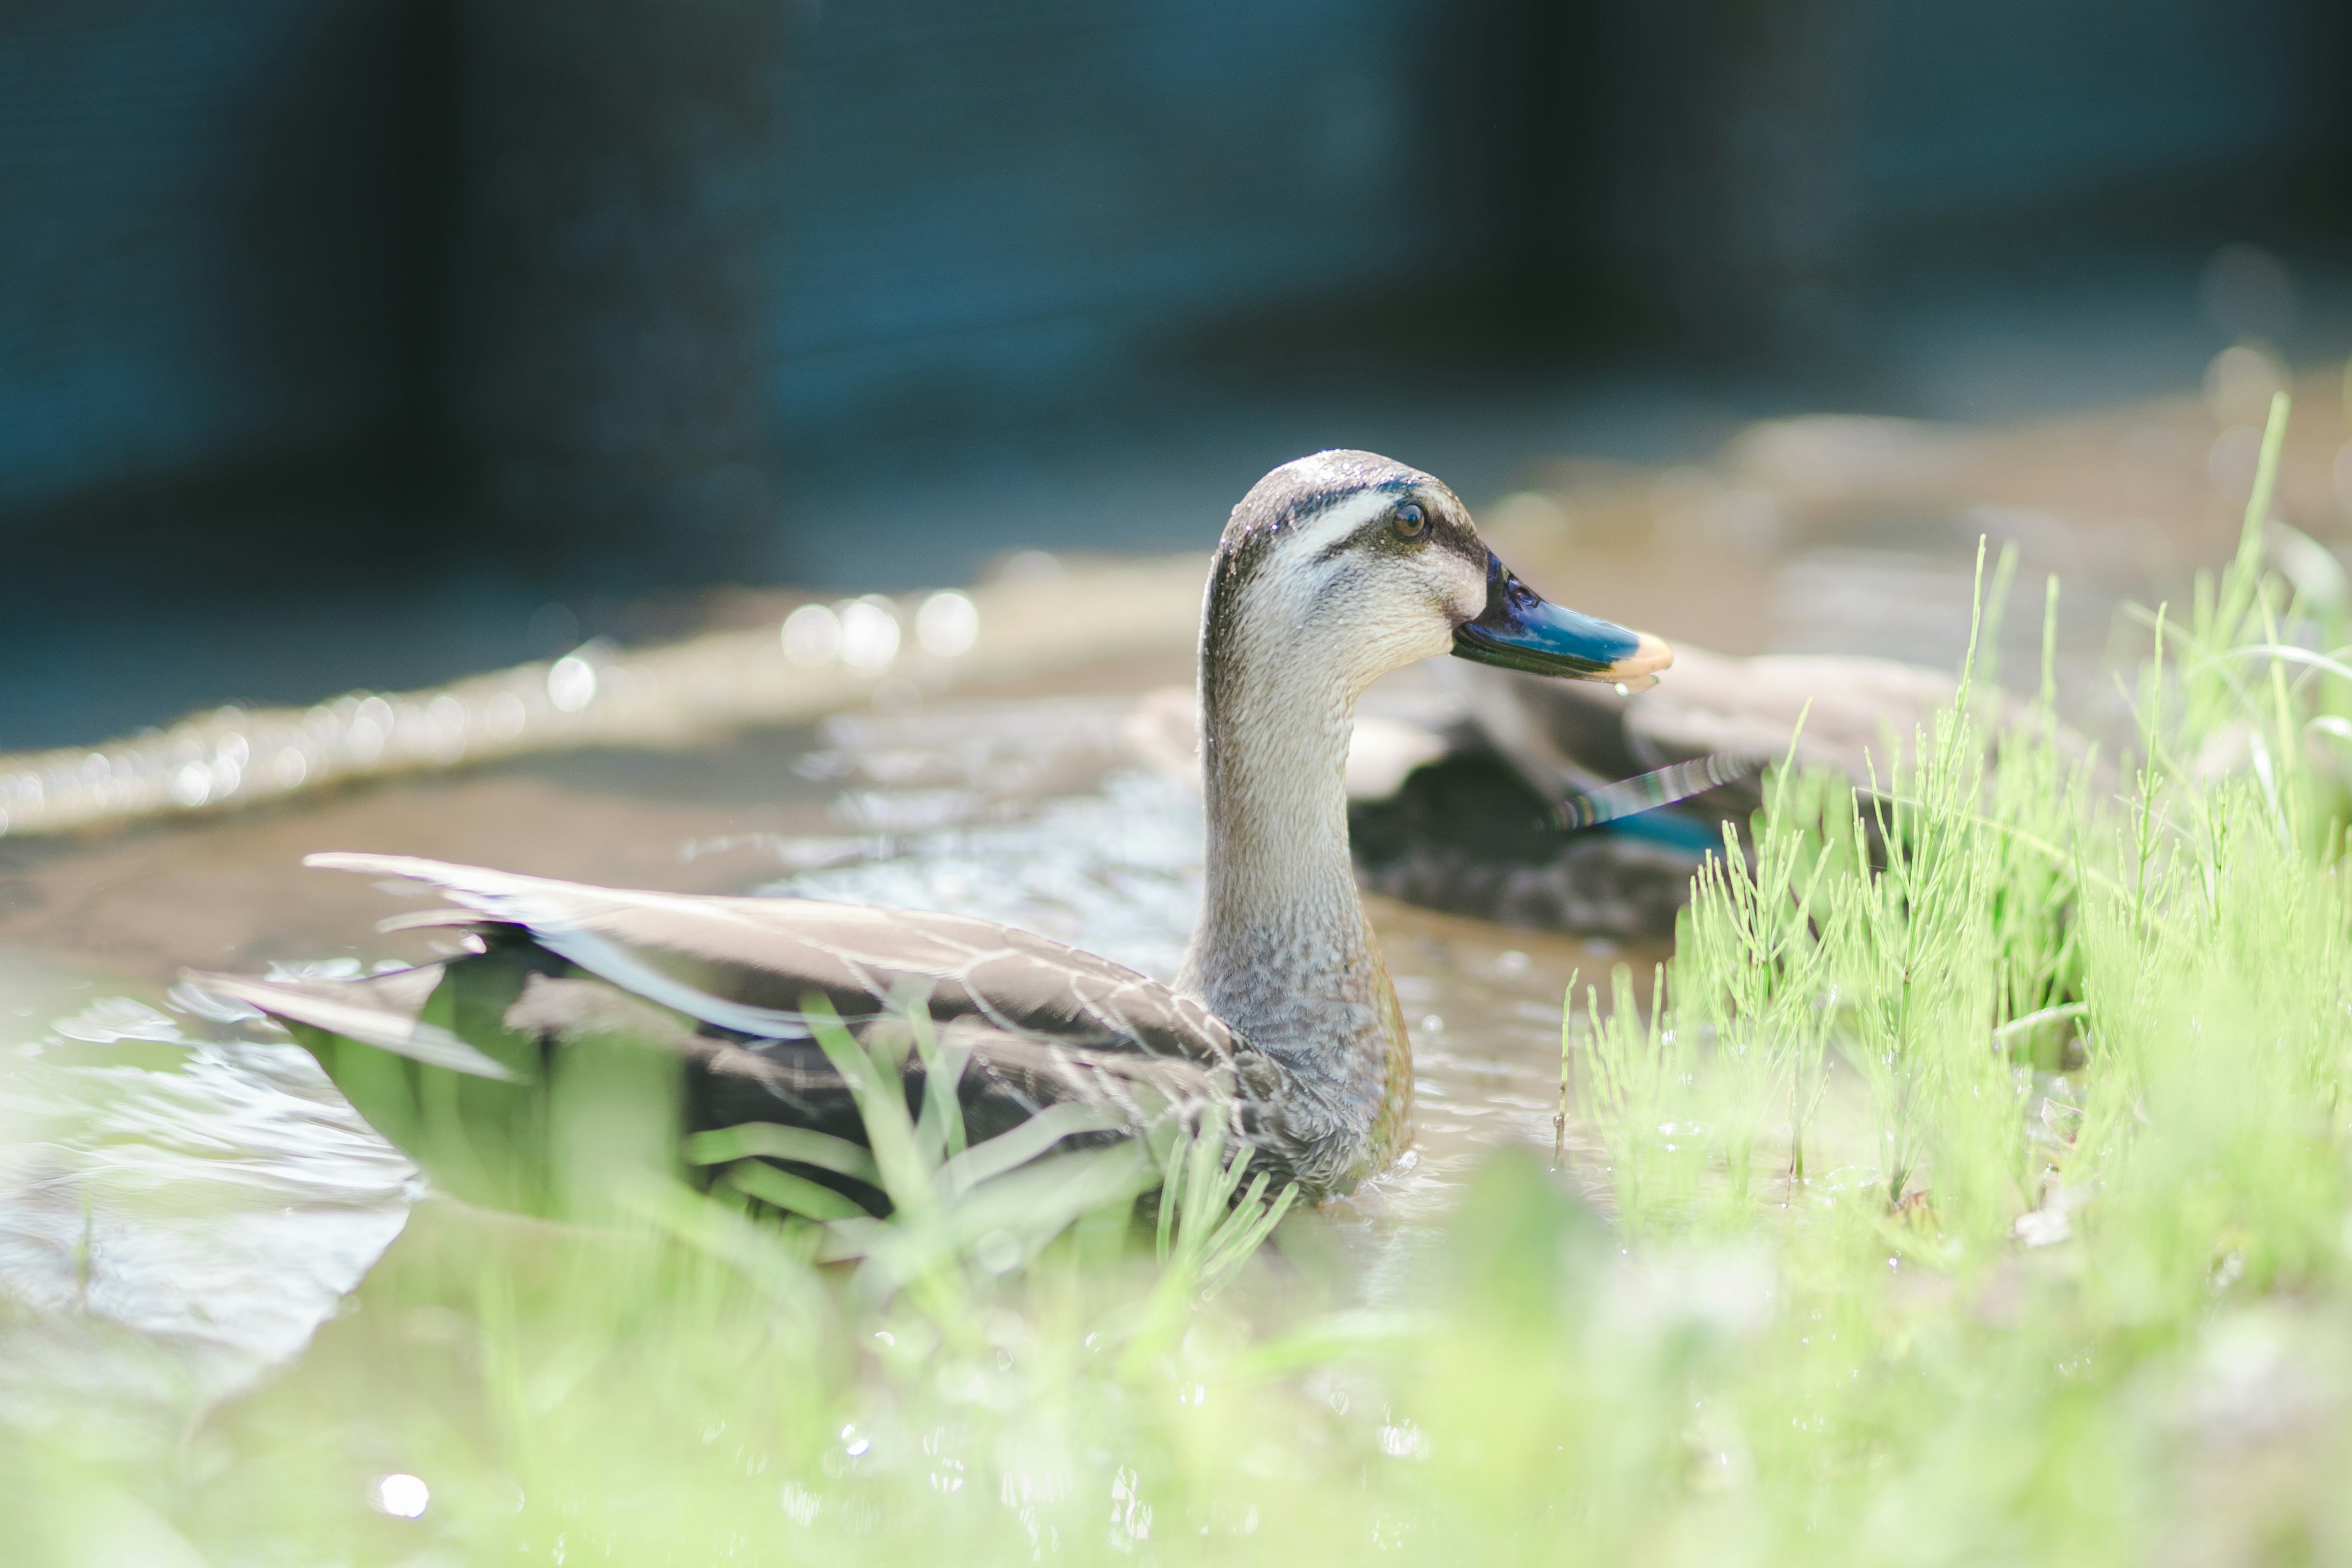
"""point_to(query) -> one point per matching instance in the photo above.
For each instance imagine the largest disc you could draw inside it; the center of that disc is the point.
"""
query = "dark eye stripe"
(1375, 529)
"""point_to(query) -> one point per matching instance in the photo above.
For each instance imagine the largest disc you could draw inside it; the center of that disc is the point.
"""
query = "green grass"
(1980, 1195)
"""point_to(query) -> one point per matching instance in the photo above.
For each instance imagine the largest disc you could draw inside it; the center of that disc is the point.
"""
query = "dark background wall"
(206, 252)
(587, 270)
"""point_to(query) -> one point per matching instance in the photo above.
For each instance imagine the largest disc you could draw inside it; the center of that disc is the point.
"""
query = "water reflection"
(179, 1210)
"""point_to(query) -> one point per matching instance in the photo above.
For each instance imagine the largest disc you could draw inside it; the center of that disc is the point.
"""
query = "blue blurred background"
(352, 343)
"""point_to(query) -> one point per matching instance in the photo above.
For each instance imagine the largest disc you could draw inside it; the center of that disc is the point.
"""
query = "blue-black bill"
(1521, 629)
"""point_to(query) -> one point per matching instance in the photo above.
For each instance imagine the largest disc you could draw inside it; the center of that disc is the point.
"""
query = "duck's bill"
(1521, 629)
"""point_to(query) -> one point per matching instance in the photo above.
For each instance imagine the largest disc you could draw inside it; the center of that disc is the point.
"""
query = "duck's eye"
(1410, 522)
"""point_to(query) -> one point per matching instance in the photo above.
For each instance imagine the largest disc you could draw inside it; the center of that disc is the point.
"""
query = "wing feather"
(364, 1011)
(751, 965)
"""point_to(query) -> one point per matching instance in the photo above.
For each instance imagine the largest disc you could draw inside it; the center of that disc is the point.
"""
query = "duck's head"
(1345, 565)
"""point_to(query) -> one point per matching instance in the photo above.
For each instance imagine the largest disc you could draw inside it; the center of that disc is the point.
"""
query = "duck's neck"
(1284, 952)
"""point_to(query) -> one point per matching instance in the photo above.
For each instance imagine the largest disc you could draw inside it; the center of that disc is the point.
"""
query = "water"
(178, 1212)
(182, 1202)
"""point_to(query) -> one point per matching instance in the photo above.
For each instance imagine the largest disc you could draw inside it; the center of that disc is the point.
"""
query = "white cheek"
(1371, 627)
(1424, 636)
(1453, 591)
(1465, 589)
(1349, 619)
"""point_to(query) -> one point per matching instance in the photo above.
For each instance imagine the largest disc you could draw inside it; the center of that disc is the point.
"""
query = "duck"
(1568, 808)
(1333, 571)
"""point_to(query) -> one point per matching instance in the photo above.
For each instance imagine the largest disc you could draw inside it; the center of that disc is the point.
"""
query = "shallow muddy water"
(183, 1201)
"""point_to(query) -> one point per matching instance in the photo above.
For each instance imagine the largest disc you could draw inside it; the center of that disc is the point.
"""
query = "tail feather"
(357, 1011)
(476, 886)
(436, 920)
